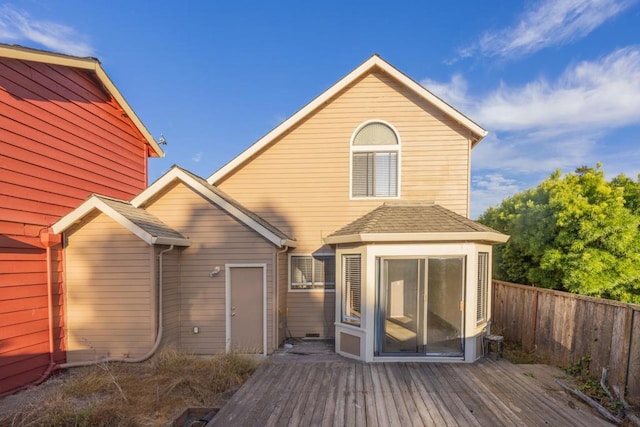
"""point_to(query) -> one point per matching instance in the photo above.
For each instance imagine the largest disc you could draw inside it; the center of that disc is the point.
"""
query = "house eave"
(448, 237)
(171, 241)
(288, 243)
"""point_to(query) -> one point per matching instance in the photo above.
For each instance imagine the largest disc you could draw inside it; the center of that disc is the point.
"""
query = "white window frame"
(312, 256)
(345, 297)
(482, 289)
(396, 148)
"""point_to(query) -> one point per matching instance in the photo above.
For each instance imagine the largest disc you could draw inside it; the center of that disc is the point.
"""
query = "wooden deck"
(346, 393)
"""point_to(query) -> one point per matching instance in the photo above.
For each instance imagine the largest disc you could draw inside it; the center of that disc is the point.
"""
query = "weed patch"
(128, 395)
(514, 353)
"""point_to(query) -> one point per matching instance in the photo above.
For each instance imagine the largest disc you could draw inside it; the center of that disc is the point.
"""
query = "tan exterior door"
(246, 309)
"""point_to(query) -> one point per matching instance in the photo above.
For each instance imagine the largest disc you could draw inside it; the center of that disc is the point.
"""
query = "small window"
(483, 286)
(313, 272)
(374, 161)
(351, 289)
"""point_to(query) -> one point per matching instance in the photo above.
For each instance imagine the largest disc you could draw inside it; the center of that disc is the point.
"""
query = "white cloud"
(546, 125)
(17, 26)
(489, 190)
(453, 92)
(590, 95)
(197, 157)
(528, 154)
(547, 23)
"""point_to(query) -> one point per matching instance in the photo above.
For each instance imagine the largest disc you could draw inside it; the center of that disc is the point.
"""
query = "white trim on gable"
(95, 203)
(176, 173)
(374, 61)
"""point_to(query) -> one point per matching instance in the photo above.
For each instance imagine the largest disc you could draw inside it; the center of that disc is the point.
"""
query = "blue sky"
(556, 82)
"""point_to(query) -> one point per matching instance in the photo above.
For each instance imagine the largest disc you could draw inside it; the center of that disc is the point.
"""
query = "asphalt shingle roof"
(142, 218)
(411, 218)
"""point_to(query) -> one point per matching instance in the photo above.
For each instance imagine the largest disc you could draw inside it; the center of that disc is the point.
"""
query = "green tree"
(576, 232)
(631, 190)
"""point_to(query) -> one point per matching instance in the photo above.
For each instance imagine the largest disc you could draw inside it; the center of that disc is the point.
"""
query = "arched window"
(375, 149)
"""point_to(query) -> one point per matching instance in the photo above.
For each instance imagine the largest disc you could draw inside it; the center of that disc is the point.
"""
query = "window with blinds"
(351, 289)
(374, 164)
(483, 286)
(313, 272)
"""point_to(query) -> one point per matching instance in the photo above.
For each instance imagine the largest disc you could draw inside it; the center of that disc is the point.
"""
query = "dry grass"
(514, 353)
(121, 394)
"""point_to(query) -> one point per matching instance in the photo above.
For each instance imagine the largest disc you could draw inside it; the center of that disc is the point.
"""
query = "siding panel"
(100, 321)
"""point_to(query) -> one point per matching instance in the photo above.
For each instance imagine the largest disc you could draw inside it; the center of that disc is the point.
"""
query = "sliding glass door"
(419, 307)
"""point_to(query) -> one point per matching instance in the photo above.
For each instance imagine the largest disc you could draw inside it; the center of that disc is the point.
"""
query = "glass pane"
(444, 297)
(352, 290)
(325, 271)
(301, 272)
(483, 282)
(402, 305)
(376, 134)
(386, 174)
(362, 174)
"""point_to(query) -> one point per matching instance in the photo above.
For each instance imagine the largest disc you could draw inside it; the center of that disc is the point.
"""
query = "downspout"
(158, 335)
(49, 240)
(277, 285)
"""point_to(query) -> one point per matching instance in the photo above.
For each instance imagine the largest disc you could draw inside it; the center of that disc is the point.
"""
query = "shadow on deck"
(316, 387)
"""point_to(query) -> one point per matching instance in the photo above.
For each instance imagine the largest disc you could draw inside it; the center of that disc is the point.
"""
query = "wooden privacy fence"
(565, 327)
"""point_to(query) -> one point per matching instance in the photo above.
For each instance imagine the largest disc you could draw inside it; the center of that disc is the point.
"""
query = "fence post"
(534, 320)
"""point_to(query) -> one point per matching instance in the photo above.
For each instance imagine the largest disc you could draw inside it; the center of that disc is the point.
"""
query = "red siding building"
(65, 132)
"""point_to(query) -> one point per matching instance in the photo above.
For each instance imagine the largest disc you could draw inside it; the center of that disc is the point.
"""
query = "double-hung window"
(351, 289)
(313, 272)
(483, 287)
(374, 161)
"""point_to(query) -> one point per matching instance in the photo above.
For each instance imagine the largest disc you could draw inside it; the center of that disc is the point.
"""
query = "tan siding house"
(347, 221)
(300, 181)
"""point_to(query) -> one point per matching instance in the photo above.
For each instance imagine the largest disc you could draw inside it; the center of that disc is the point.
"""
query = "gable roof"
(393, 222)
(89, 64)
(223, 200)
(140, 222)
(375, 61)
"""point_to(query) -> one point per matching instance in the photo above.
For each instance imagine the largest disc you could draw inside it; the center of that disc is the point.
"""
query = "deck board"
(344, 392)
